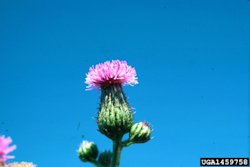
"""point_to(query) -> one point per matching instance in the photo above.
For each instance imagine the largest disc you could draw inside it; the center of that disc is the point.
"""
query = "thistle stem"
(117, 149)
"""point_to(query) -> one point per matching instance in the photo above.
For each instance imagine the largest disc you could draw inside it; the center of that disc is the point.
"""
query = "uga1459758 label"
(224, 162)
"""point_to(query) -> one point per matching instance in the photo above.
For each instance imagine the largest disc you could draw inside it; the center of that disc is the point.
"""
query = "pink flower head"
(114, 72)
(5, 149)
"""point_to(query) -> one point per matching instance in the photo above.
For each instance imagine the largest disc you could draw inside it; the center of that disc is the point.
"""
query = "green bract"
(140, 132)
(88, 151)
(115, 117)
(105, 158)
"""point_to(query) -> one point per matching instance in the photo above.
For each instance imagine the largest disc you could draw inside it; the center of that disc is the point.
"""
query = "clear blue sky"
(192, 61)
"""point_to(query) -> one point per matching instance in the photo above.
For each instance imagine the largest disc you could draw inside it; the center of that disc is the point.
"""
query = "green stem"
(127, 143)
(117, 149)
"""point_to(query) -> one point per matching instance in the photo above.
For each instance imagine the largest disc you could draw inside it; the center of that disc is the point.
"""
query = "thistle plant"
(5, 149)
(115, 116)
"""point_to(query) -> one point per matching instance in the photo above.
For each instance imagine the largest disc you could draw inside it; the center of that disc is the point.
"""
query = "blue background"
(191, 58)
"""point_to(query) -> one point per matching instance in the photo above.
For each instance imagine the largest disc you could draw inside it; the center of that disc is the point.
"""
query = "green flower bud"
(105, 158)
(140, 132)
(88, 151)
(115, 117)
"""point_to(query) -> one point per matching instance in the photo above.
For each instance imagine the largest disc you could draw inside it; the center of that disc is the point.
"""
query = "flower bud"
(140, 132)
(105, 158)
(115, 117)
(87, 151)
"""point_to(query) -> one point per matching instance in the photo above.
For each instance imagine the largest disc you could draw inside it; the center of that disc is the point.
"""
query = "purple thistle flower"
(107, 73)
(5, 149)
